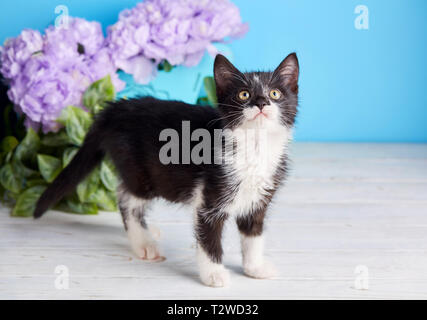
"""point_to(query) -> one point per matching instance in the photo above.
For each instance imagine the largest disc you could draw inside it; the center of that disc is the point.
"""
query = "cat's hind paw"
(148, 251)
(265, 270)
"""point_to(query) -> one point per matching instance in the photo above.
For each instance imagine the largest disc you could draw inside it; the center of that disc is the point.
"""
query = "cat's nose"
(261, 103)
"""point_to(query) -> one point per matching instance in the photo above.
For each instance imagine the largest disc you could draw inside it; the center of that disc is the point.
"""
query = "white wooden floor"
(345, 205)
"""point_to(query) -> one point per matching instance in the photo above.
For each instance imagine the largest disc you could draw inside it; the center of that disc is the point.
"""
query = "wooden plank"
(353, 151)
(339, 235)
(346, 191)
(359, 170)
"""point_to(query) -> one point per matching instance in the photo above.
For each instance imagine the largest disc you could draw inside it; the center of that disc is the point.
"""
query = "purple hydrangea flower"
(16, 52)
(46, 92)
(179, 31)
(62, 42)
(50, 72)
(101, 65)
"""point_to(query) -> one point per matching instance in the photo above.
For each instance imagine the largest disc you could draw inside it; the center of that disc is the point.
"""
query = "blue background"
(356, 85)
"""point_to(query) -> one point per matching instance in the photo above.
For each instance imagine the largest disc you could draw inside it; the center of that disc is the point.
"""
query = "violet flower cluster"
(179, 31)
(49, 72)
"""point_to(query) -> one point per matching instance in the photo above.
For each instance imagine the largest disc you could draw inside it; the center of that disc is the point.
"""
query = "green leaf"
(10, 198)
(108, 175)
(98, 93)
(9, 179)
(68, 155)
(210, 88)
(8, 156)
(9, 143)
(25, 154)
(90, 99)
(167, 67)
(22, 170)
(27, 201)
(35, 182)
(81, 208)
(88, 186)
(56, 139)
(49, 167)
(105, 200)
(77, 122)
(28, 147)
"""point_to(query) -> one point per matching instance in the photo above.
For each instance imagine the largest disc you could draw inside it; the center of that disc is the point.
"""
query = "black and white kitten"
(130, 132)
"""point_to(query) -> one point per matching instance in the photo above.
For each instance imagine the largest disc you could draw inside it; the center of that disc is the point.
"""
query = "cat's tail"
(85, 160)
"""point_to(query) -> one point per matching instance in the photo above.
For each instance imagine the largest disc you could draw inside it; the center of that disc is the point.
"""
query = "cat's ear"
(224, 73)
(288, 70)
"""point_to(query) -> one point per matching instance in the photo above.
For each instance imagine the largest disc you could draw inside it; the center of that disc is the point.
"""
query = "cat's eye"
(244, 95)
(275, 94)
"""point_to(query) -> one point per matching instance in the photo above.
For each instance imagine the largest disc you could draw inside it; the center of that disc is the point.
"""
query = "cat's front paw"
(264, 270)
(148, 251)
(216, 277)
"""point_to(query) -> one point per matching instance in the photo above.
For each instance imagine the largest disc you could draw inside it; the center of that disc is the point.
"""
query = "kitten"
(131, 132)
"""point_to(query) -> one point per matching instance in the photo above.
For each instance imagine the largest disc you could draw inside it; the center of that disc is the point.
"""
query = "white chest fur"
(258, 154)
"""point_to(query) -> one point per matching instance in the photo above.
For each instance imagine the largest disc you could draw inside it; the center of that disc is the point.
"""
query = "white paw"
(265, 270)
(216, 277)
(148, 251)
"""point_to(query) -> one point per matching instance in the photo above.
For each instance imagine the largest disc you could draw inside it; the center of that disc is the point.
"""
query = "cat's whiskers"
(237, 104)
(235, 121)
(223, 118)
(240, 107)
